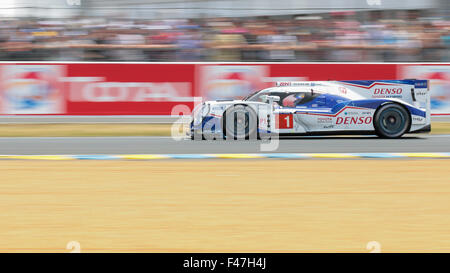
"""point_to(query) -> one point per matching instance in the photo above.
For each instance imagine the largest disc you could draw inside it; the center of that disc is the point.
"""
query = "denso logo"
(354, 120)
(388, 91)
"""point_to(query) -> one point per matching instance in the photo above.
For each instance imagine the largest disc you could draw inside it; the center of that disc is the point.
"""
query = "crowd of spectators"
(381, 36)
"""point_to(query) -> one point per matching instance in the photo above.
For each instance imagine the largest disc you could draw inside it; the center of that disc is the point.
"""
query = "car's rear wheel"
(240, 122)
(392, 121)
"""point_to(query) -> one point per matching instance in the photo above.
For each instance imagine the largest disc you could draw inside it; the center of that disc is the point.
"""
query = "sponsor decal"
(354, 120)
(355, 113)
(328, 126)
(343, 90)
(388, 91)
(297, 83)
(350, 113)
(218, 108)
(263, 122)
(324, 120)
(418, 120)
(420, 84)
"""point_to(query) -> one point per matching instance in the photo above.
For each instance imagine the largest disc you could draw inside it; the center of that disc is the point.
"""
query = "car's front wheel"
(195, 134)
(392, 121)
(240, 122)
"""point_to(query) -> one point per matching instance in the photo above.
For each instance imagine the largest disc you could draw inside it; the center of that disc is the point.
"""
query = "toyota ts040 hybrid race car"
(388, 108)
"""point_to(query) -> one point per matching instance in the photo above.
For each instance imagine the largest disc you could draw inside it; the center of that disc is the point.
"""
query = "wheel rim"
(392, 121)
(239, 125)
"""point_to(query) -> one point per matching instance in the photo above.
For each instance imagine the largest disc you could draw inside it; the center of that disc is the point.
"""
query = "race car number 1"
(284, 121)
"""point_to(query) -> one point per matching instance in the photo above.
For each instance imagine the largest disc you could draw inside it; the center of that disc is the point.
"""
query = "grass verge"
(82, 129)
(440, 128)
(225, 206)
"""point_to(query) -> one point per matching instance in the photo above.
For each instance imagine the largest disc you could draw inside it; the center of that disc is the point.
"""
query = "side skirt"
(425, 129)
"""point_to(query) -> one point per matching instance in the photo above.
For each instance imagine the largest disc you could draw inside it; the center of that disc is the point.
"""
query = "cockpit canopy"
(287, 98)
(298, 98)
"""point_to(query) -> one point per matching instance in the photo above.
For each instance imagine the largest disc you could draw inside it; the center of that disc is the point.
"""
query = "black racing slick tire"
(392, 121)
(195, 135)
(240, 122)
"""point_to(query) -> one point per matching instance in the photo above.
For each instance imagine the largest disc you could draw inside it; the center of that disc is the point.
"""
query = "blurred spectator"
(189, 45)
(421, 35)
(226, 41)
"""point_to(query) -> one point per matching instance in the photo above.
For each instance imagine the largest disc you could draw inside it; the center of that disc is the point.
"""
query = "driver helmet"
(293, 100)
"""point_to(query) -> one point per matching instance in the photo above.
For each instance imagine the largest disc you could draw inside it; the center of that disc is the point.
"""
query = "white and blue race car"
(387, 108)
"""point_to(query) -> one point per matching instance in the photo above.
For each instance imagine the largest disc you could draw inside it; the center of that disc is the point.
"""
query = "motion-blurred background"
(86, 43)
(225, 30)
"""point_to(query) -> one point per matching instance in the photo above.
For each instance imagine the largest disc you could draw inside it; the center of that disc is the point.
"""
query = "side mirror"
(274, 98)
(270, 99)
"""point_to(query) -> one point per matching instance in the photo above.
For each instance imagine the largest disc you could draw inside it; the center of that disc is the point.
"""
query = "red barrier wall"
(155, 88)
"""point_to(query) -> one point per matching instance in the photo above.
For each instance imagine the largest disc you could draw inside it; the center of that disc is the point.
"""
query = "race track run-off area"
(225, 206)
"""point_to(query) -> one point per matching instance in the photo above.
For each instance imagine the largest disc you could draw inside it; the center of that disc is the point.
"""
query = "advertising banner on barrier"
(439, 76)
(230, 81)
(156, 88)
(32, 89)
(128, 89)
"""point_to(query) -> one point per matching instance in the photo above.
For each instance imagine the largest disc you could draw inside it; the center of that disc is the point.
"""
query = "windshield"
(287, 98)
(254, 96)
(197, 113)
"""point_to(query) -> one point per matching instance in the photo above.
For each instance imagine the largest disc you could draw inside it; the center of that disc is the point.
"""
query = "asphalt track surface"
(166, 145)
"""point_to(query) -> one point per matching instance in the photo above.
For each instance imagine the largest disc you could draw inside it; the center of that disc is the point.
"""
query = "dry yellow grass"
(440, 128)
(225, 206)
(88, 129)
(125, 129)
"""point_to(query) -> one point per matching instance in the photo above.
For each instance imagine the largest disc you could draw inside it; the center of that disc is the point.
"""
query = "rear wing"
(414, 92)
